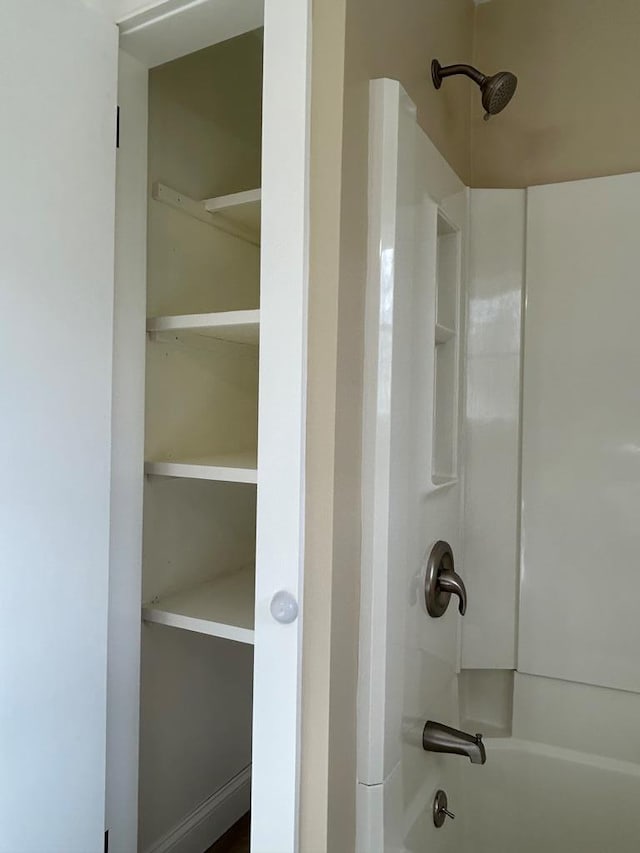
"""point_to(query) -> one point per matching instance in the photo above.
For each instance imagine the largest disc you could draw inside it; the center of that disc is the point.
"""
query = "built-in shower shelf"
(441, 480)
(443, 333)
(221, 607)
(445, 392)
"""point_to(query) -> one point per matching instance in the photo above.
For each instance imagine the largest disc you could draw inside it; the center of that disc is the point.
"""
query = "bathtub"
(534, 798)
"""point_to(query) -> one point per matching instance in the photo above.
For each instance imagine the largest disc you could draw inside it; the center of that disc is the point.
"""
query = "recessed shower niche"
(445, 412)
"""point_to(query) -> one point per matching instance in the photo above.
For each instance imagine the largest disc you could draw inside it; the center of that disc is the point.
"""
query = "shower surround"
(548, 478)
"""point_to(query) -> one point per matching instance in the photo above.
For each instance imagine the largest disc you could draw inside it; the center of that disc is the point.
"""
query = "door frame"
(159, 34)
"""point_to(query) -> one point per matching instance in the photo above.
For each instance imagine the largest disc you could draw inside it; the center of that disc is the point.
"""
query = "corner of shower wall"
(492, 458)
(578, 680)
(492, 427)
(486, 701)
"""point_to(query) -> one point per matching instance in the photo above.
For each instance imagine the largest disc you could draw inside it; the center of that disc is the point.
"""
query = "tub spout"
(437, 737)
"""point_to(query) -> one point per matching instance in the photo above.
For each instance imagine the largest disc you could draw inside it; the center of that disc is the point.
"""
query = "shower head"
(497, 90)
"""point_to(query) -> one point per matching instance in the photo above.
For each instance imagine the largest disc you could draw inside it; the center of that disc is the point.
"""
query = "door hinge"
(106, 841)
(117, 127)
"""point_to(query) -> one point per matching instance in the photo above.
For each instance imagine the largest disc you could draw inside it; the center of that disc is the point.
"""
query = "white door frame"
(161, 33)
(282, 422)
(127, 458)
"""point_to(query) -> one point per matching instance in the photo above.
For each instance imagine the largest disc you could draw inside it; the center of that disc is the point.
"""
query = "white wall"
(56, 310)
(576, 619)
(121, 9)
(157, 32)
(127, 454)
(580, 583)
(583, 717)
(581, 475)
(492, 427)
(195, 733)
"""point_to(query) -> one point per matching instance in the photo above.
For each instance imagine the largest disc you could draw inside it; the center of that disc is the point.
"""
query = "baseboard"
(208, 821)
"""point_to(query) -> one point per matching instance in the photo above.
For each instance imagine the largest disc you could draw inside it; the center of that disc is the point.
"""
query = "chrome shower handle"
(452, 583)
(441, 581)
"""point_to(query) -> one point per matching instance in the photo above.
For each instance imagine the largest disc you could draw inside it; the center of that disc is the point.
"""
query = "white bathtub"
(533, 798)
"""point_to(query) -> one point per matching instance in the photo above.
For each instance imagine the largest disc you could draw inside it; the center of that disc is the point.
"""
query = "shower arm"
(451, 70)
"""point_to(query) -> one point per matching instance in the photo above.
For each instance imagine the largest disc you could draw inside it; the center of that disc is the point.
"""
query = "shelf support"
(196, 209)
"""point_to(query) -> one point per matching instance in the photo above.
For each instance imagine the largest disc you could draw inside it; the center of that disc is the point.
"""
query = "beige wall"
(353, 41)
(399, 39)
(576, 112)
(326, 178)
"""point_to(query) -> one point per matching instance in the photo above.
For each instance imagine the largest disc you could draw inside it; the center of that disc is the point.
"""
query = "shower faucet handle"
(452, 583)
(441, 581)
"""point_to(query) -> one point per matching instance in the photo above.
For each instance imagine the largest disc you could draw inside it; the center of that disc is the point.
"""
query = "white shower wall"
(556, 600)
(492, 427)
(582, 717)
(580, 578)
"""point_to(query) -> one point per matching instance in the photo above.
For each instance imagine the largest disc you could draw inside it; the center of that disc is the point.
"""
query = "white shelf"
(227, 467)
(237, 214)
(240, 208)
(242, 327)
(222, 607)
(443, 333)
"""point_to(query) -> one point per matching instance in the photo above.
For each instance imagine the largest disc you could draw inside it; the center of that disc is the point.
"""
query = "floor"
(235, 840)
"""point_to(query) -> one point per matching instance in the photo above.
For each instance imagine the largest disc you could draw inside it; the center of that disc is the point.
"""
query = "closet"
(201, 421)
(222, 416)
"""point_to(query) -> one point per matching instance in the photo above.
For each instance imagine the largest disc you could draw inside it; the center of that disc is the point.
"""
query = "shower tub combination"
(530, 796)
(535, 798)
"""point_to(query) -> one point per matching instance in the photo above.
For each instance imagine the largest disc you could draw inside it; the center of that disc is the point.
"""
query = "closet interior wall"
(201, 401)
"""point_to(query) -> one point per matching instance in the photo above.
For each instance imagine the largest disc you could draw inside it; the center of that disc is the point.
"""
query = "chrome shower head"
(497, 90)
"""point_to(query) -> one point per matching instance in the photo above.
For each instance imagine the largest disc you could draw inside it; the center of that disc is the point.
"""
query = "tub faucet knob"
(440, 808)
